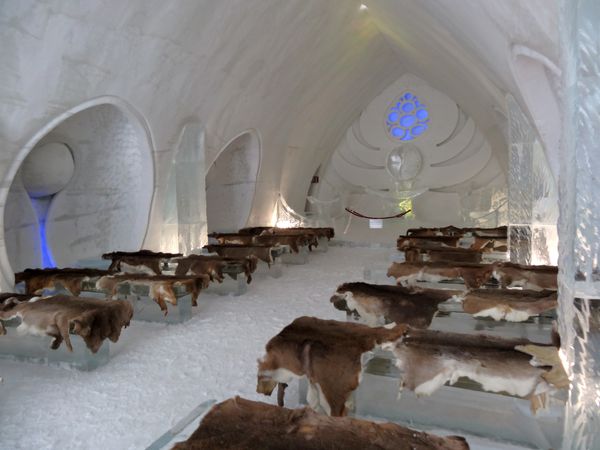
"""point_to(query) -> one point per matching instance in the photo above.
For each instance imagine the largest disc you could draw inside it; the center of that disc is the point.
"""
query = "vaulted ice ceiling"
(298, 72)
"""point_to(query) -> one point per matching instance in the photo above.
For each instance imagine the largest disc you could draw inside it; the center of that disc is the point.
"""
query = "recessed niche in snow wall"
(231, 183)
(84, 189)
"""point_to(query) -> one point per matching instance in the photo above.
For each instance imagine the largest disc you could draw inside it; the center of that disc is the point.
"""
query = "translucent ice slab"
(536, 329)
(263, 269)
(296, 258)
(234, 284)
(463, 408)
(37, 349)
(147, 310)
(183, 429)
(144, 307)
(323, 245)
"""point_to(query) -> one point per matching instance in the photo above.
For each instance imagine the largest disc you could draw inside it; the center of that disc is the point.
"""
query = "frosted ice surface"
(579, 225)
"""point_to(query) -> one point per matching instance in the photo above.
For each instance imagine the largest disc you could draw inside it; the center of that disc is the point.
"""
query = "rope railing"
(357, 214)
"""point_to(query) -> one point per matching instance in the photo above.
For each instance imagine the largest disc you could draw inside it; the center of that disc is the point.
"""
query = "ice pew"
(34, 330)
(241, 423)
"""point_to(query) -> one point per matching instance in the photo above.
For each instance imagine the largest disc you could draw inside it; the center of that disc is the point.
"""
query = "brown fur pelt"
(238, 423)
(10, 300)
(59, 315)
(422, 253)
(260, 251)
(498, 232)
(404, 242)
(327, 352)
(318, 232)
(233, 238)
(508, 301)
(143, 258)
(326, 232)
(294, 241)
(529, 277)
(253, 230)
(213, 266)
(473, 275)
(427, 359)
(36, 280)
(161, 286)
(383, 304)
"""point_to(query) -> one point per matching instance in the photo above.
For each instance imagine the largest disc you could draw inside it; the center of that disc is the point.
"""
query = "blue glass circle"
(422, 114)
(418, 129)
(408, 120)
(397, 132)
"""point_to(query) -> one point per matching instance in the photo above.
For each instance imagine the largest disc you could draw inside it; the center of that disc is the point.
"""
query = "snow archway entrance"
(231, 183)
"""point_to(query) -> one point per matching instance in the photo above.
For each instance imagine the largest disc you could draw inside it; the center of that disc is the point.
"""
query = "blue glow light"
(413, 122)
(47, 260)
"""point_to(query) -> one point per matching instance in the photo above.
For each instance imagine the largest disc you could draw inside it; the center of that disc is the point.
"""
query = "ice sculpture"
(579, 223)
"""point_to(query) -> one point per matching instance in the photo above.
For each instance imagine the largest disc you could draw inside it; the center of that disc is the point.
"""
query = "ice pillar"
(184, 225)
(579, 224)
(532, 194)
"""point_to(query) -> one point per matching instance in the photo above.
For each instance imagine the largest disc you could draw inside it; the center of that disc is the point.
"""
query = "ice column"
(532, 194)
(579, 223)
(184, 224)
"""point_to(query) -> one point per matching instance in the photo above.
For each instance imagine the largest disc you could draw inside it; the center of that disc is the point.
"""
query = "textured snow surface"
(159, 373)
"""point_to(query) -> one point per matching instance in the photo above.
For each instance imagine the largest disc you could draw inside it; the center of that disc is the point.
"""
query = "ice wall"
(579, 224)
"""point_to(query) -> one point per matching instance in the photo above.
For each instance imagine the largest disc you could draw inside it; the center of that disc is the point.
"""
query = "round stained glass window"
(407, 118)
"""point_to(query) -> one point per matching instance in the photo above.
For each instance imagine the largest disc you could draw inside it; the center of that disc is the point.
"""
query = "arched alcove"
(231, 183)
(96, 198)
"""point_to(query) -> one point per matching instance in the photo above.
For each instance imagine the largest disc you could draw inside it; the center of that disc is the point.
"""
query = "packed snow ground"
(159, 373)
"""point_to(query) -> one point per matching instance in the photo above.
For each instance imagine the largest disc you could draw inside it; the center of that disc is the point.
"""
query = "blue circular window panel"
(407, 118)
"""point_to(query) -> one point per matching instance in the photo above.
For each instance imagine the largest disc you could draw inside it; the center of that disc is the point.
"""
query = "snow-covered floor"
(159, 373)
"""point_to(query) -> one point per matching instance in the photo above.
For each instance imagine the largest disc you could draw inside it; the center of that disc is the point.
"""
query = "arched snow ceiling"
(463, 49)
(298, 71)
